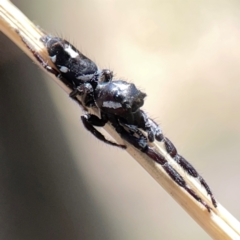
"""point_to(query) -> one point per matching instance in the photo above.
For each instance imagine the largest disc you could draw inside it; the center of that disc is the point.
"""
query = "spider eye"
(118, 97)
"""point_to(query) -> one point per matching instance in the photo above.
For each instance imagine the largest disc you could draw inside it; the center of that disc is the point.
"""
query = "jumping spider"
(118, 102)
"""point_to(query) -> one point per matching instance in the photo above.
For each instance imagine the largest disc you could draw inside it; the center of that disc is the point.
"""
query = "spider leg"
(39, 57)
(45, 65)
(153, 130)
(174, 175)
(139, 142)
(157, 130)
(105, 75)
(73, 95)
(172, 151)
(89, 121)
(147, 124)
(134, 129)
(142, 144)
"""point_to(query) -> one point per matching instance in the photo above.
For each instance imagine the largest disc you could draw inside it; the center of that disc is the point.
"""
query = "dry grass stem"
(219, 224)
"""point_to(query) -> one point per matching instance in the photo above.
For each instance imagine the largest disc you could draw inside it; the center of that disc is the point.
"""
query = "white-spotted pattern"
(122, 87)
(70, 51)
(53, 58)
(63, 69)
(111, 104)
(85, 77)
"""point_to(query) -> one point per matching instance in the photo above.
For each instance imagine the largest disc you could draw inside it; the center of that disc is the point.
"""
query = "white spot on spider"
(111, 104)
(85, 77)
(53, 58)
(122, 87)
(63, 69)
(70, 51)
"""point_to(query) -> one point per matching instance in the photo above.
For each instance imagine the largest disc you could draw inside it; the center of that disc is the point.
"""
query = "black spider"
(97, 89)
(119, 103)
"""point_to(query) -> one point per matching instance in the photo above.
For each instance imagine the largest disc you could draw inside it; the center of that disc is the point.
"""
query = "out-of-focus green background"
(58, 181)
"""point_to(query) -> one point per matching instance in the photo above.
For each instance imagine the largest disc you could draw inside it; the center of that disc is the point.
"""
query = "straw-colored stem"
(219, 224)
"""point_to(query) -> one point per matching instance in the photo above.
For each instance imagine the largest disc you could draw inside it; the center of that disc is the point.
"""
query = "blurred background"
(58, 182)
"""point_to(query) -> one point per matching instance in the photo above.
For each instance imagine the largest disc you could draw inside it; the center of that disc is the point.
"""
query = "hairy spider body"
(123, 100)
(118, 102)
(73, 65)
(97, 88)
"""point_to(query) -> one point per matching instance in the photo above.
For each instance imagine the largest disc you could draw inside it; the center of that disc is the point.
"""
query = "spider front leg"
(174, 175)
(147, 124)
(90, 120)
(46, 66)
(105, 75)
(172, 151)
(142, 144)
(139, 142)
(38, 57)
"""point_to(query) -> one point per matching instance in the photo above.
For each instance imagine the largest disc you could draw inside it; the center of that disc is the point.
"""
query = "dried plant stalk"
(219, 224)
